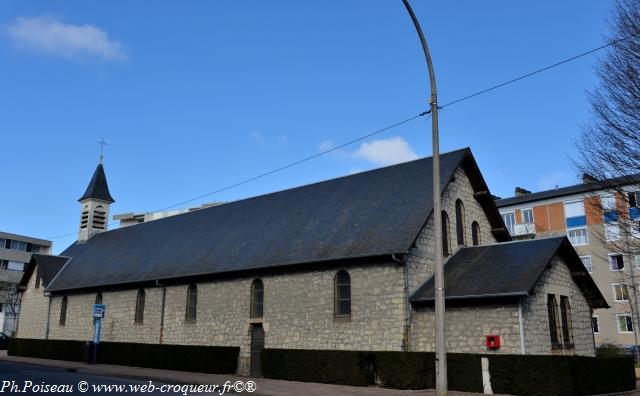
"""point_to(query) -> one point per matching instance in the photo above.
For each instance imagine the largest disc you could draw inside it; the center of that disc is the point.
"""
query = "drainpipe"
(521, 324)
(164, 296)
(46, 327)
(406, 339)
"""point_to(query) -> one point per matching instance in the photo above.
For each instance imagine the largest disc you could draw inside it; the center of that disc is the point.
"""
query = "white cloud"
(51, 36)
(386, 151)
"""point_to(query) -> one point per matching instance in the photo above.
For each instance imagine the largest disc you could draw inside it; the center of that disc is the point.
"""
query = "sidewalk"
(264, 386)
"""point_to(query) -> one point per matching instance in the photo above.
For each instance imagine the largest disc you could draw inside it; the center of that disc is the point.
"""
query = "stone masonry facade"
(32, 321)
(557, 280)
(420, 257)
(468, 325)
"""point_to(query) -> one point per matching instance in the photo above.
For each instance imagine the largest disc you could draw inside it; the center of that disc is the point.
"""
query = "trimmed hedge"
(510, 374)
(48, 349)
(556, 375)
(205, 359)
(326, 366)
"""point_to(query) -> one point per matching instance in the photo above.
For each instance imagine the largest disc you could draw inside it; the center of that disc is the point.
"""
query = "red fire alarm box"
(493, 341)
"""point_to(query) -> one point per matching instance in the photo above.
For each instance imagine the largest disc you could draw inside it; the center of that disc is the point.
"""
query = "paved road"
(25, 379)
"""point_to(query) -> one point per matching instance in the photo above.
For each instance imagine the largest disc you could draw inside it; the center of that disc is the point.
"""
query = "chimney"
(521, 191)
(587, 178)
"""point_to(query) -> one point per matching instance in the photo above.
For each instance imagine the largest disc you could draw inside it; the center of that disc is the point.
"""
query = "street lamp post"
(441, 352)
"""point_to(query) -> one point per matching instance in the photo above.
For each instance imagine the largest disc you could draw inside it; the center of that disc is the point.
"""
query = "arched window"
(99, 217)
(63, 311)
(140, 306)
(475, 233)
(460, 222)
(99, 298)
(446, 242)
(192, 303)
(257, 299)
(84, 219)
(342, 294)
(567, 324)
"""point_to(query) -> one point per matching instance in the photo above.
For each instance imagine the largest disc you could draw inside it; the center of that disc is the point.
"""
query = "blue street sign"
(98, 311)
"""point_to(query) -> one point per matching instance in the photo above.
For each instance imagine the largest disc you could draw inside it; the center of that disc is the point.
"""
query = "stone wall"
(420, 258)
(557, 280)
(298, 312)
(467, 326)
(32, 322)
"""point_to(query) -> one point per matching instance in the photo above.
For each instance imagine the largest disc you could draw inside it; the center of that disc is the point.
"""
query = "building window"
(509, 221)
(611, 232)
(63, 311)
(446, 242)
(140, 307)
(616, 262)
(192, 303)
(609, 210)
(257, 299)
(19, 245)
(15, 265)
(638, 261)
(620, 292)
(475, 233)
(460, 222)
(3, 243)
(99, 217)
(37, 280)
(578, 236)
(342, 294)
(634, 210)
(586, 261)
(595, 324)
(527, 216)
(625, 323)
(574, 214)
(99, 298)
(567, 324)
(554, 320)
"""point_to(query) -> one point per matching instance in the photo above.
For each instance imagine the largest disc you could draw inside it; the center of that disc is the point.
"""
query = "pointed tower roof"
(98, 188)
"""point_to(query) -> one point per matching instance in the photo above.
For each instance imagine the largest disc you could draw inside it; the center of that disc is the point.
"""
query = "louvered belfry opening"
(84, 220)
(99, 217)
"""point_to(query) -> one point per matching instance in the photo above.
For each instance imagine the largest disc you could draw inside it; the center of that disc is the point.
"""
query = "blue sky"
(194, 96)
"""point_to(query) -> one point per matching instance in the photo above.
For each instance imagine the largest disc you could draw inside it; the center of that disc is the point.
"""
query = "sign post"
(98, 315)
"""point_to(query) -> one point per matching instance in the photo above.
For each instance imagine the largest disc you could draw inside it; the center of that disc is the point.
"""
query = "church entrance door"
(257, 345)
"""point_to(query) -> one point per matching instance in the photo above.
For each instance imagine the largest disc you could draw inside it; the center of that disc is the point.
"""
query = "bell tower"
(94, 205)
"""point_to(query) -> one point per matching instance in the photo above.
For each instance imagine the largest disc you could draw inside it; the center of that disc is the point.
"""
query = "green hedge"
(561, 375)
(334, 367)
(205, 359)
(48, 349)
(510, 374)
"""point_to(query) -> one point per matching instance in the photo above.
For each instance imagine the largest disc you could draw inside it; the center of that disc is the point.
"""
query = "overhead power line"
(522, 77)
(368, 135)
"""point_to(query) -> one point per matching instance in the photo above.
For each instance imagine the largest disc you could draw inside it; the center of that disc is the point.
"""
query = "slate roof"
(507, 270)
(48, 267)
(570, 190)
(98, 188)
(374, 213)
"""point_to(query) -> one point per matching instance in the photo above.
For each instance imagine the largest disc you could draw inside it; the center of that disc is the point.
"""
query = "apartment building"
(15, 253)
(602, 224)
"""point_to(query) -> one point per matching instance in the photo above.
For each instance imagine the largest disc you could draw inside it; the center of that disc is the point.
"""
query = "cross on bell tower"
(102, 143)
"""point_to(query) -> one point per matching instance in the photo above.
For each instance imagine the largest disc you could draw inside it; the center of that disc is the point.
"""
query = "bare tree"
(10, 300)
(609, 146)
